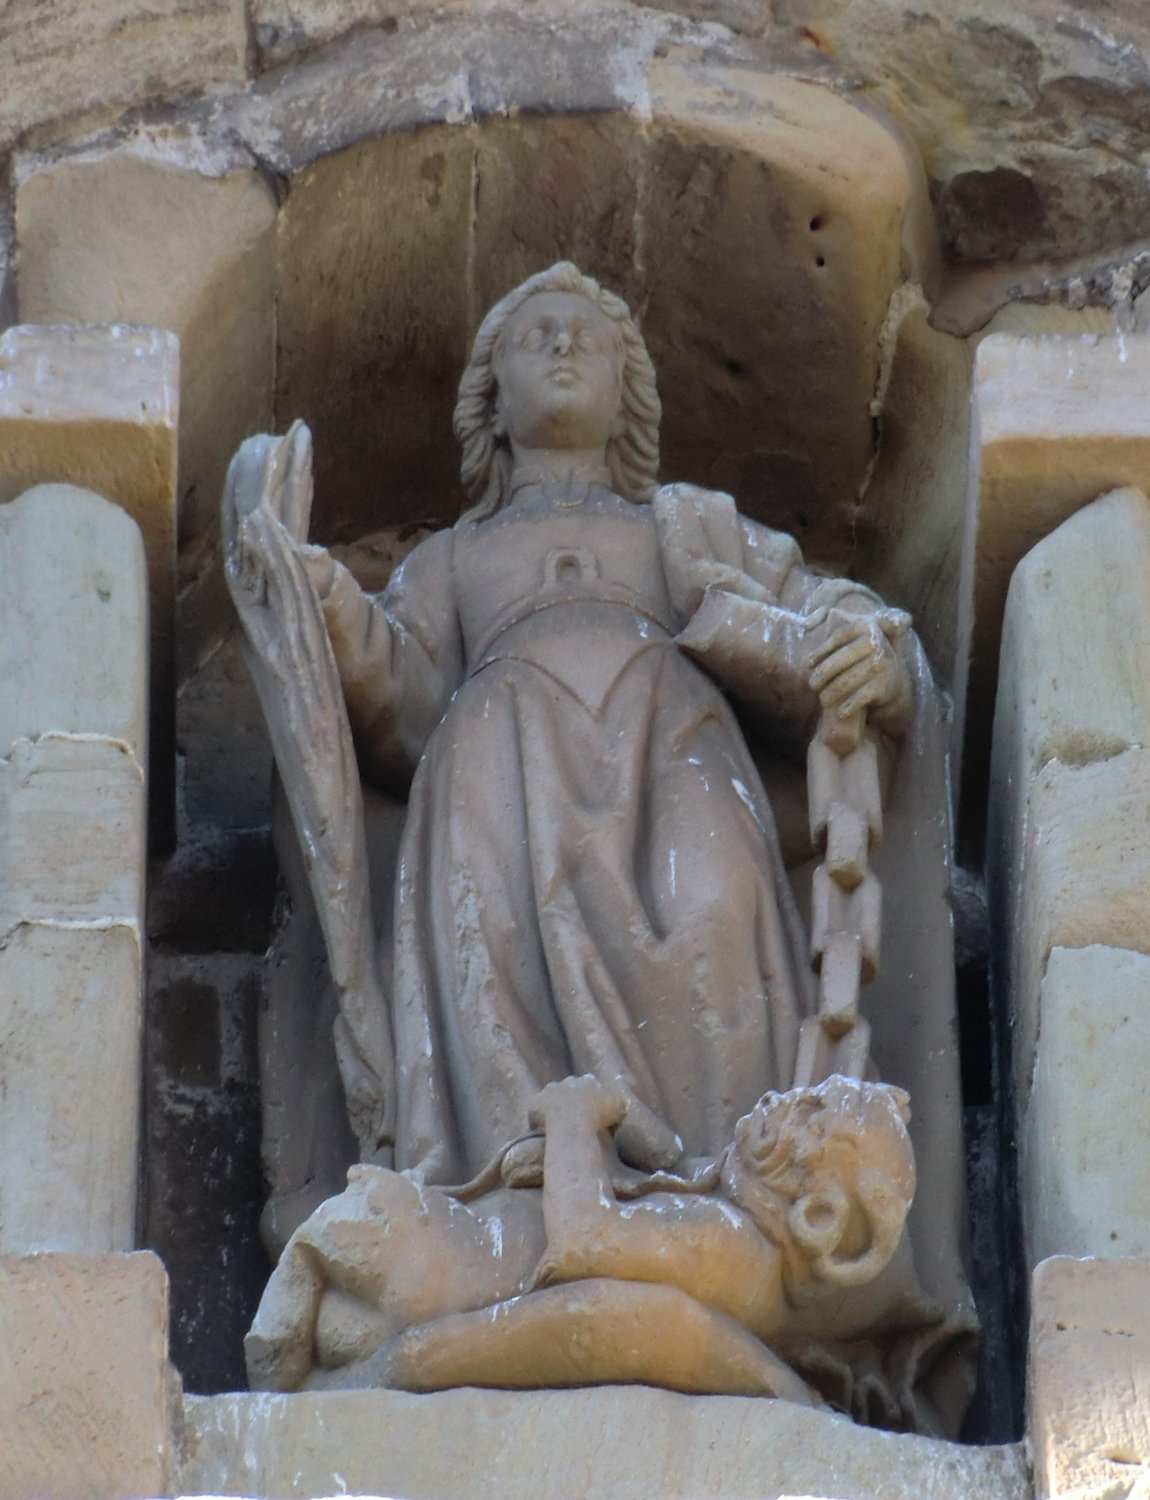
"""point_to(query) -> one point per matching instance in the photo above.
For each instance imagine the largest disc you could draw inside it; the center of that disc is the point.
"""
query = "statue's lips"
(564, 376)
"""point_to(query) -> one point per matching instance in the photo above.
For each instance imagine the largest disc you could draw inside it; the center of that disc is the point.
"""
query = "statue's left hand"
(857, 665)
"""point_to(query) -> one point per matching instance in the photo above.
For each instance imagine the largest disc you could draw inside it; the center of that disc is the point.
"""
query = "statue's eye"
(534, 339)
(584, 342)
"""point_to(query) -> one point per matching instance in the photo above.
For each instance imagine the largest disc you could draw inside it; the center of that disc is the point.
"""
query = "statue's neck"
(539, 464)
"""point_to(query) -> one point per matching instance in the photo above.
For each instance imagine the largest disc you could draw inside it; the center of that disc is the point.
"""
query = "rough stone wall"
(1033, 121)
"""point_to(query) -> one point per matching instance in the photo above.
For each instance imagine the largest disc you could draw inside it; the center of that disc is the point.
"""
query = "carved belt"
(491, 648)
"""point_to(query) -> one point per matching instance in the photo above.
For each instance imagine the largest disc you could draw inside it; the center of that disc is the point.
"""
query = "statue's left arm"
(769, 626)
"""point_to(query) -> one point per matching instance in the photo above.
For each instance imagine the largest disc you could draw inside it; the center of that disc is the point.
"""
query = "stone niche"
(323, 244)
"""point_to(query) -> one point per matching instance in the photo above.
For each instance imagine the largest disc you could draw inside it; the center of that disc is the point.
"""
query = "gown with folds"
(589, 877)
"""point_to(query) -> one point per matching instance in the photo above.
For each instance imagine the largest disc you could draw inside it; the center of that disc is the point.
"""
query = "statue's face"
(559, 372)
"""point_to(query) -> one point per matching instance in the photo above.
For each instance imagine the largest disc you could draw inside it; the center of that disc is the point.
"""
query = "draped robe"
(589, 877)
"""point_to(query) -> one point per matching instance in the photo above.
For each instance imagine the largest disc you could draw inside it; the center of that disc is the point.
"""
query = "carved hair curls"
(632, 450)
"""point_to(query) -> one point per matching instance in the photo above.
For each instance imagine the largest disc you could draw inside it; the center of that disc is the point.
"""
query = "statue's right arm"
(399, 653)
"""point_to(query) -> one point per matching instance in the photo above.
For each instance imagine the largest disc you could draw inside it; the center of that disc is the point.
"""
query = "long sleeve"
(399, 655)
(749, 601)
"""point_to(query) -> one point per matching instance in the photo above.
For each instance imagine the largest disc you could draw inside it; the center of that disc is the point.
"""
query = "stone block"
(1070, 874)
(98, 407)
(282, 28)
(1071, 714)
(84, 1383)
(1075, 639)
(177, 237)
(796, 258)
(370, 353)
(1084, 1162)
(1056, 422)
(1083, 877)
(59, 59)
(910, 520)
(73, 732)
(550, 1445)
(1089, 1415)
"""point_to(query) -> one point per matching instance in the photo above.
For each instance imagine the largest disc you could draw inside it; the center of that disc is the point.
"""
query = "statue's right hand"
(266, 505)
(319, 565)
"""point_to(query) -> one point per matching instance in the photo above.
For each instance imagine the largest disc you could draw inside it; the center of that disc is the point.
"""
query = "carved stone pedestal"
(629, 1442)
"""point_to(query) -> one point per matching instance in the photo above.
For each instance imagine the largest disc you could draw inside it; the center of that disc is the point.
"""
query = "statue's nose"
(563, 344)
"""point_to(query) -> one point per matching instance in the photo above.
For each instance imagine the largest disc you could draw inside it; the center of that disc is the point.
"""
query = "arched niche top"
(325, 246)
(758, 224)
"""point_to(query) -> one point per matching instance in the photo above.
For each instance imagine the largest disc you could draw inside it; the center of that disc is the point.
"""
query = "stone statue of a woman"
(589, 879)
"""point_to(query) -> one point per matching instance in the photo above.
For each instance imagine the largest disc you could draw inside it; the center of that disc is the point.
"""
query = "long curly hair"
(633, 448)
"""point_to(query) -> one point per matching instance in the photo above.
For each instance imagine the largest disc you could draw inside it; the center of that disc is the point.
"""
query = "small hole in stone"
(820, 260)
(816, 223)
(734, 367)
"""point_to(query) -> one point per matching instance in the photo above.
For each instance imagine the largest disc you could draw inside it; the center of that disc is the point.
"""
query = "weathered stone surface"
(1084, 872)
(910, 518)
(764, 275)
(1056, 422)
(73, 658)
(1073, 714)
(1069, 871)
(59, 59)
(1085, 1169)
(1089, 1354)
(204, 1183)
(163, 234)
(84, 1392)
(1031, 128)
(98, 407)
(1076, 635)
(560, 1443)
(373, 309)
(794, 219)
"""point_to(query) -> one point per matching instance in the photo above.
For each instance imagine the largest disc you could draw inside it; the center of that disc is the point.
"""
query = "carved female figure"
(589, 879)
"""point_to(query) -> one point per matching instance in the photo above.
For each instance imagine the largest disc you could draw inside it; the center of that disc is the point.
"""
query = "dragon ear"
(885, 1208)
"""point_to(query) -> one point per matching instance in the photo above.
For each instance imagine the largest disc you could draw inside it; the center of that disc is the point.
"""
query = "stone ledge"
(555, 1445)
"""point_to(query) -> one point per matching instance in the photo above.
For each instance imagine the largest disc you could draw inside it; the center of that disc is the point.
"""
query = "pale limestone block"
(1066, 863)
(98, 407)
(58, 58)
(1076, 639)
(84, 1382)
(1084, 1163)
(1056, 421)
(1089, 1395)
(173, 237)
(69, 1087)
(73, 734)
(551, 1445)
(1083, 877)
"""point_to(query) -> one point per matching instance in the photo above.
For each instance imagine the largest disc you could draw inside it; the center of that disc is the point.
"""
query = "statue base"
(624, 1441)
